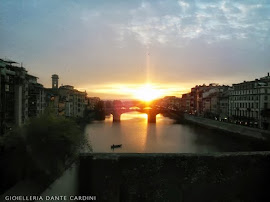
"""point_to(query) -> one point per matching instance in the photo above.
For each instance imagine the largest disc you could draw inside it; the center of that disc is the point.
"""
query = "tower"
(55, 81)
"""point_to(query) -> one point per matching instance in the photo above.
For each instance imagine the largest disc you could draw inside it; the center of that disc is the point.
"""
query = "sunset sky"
(112, 48)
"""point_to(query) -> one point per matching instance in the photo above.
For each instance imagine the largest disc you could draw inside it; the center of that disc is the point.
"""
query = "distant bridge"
(151, 112)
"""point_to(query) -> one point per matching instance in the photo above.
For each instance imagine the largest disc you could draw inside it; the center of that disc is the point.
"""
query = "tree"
(100, 111)
(43, 147)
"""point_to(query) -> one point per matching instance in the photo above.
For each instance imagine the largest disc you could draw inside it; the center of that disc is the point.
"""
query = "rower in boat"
(116, 146)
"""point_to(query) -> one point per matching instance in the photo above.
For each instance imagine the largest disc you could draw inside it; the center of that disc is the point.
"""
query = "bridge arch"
(151, 113)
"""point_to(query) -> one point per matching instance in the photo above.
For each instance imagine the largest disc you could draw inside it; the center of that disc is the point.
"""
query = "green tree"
(43, 147)
(51, 141)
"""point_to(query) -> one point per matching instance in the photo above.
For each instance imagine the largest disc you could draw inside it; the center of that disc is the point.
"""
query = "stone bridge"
(151, 112)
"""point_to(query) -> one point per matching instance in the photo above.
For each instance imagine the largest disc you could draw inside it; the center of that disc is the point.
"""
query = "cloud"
(184, 21)
(87, 15)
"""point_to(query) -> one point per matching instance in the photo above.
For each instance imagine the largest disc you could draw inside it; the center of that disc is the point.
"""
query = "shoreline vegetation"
(42, 149)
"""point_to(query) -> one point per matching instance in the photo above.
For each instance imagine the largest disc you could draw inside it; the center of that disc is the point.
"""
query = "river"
(165, 136)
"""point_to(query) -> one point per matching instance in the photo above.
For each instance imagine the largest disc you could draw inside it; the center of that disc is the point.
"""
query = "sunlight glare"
(147, 93)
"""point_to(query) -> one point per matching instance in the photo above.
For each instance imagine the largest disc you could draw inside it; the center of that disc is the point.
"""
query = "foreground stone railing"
(161, 177)
(175, 177)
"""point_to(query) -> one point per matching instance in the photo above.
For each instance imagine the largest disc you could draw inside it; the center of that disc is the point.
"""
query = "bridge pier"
(151, 117)
(116, 117)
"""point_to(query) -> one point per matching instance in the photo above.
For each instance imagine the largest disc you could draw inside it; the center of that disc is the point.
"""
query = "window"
(265, 97)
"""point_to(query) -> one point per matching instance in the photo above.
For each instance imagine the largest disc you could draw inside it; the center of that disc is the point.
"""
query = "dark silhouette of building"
(21, 96)
(55, 79)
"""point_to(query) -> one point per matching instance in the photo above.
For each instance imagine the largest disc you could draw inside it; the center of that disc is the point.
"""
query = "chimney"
(268, 74)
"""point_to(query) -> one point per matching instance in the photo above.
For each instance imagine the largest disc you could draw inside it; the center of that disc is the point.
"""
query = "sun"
(147, 93)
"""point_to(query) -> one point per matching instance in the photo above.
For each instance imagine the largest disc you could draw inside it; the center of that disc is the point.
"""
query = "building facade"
(17, 94)
(224, 105)
(36, 97)
(185, 103)
(249, 102)
(215, 104)
(73, 101)
(202, 99)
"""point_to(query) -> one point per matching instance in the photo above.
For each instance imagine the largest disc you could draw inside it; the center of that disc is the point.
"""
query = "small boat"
(116, 146)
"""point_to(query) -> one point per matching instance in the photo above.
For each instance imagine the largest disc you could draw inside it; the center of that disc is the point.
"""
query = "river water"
(165, 136)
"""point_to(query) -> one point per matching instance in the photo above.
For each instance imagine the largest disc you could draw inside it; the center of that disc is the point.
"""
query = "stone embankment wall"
(176, 177)
(229, 127)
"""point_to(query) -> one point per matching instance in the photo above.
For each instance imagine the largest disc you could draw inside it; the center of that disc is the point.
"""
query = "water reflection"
(137, 135)
(151, 138)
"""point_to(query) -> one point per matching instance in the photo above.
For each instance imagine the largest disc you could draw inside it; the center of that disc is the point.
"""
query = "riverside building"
(214, 102)
(20, 94)
(36, 97)
(73, 101)
(202, 99)
(249, 103)
(66, 100)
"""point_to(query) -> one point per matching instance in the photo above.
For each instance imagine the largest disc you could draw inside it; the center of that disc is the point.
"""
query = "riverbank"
(243, 131)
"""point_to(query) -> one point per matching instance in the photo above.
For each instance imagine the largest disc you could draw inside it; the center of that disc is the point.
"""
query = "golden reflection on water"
(132, 115)
(135, 134)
